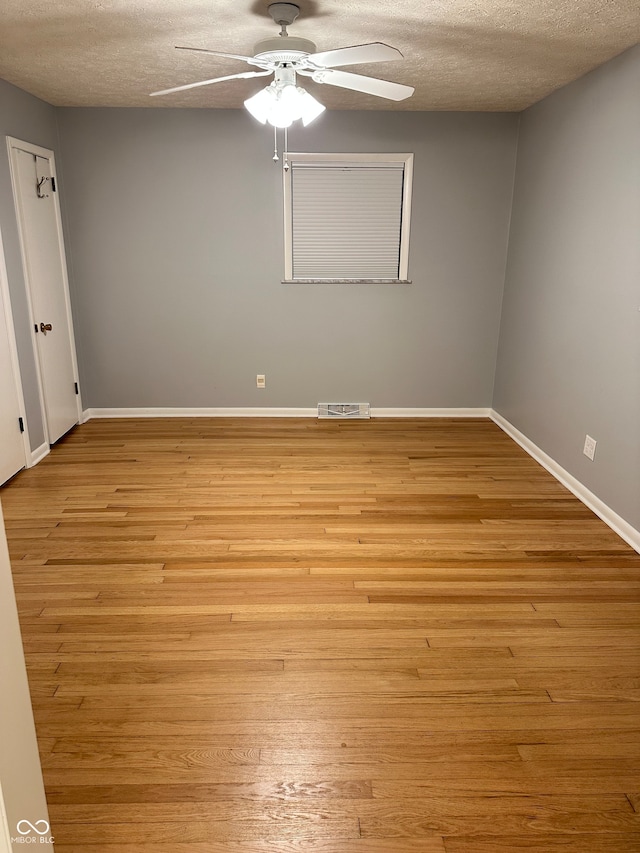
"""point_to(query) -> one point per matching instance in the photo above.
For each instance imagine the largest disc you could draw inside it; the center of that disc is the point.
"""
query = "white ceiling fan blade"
(216, 53)
(374, 52)
(360, 83)
(244, 75)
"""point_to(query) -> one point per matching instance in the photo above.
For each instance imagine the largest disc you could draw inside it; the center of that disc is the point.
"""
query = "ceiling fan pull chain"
(285, 164)
(275, 145)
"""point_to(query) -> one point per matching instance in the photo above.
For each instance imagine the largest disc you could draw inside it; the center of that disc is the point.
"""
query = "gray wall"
(569, 353)
(30, 120)
(176, 256)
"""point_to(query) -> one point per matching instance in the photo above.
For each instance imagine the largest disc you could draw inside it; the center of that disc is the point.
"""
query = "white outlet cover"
(589, 447)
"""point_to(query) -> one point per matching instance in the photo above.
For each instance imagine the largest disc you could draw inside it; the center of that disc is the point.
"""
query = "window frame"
(349, 160)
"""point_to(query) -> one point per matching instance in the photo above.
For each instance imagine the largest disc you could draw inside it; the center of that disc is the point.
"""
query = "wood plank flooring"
(277, 636)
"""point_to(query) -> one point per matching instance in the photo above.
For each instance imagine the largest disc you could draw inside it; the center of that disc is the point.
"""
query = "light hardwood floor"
(277, 636)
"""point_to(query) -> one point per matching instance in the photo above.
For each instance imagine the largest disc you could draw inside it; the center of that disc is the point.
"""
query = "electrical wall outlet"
(589, 447)
(261, 381)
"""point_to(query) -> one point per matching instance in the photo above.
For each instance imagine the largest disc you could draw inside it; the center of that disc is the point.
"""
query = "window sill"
(345, 281)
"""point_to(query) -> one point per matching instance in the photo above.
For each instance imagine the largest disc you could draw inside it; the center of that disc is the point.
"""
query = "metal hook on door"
(39, 185)
(45, 327)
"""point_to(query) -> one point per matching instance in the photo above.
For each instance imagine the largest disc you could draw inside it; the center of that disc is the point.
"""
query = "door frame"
(5, 833)
(13, 353)
(14, 145)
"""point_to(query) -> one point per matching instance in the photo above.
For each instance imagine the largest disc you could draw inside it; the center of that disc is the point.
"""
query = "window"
(347, 217)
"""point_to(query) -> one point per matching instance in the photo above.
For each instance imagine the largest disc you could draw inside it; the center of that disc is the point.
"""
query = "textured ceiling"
(459, 54)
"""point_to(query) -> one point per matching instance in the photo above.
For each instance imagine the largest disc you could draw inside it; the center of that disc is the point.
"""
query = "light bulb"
(279, 116)
(290, 98)
(285, 108)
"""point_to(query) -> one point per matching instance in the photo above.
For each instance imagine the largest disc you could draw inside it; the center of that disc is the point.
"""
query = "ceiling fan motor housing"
(280, 49)
(284, 49)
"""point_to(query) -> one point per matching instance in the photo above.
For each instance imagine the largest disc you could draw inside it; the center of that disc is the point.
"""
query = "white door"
(46, 275)
(12, 445)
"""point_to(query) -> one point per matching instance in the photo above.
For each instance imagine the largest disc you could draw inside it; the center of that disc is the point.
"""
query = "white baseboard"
(429, 413)
(265, 412)
(177, 412)
(612, 519)
(38, 454)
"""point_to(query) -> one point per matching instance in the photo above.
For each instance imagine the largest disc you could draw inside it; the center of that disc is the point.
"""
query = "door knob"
(45, 327)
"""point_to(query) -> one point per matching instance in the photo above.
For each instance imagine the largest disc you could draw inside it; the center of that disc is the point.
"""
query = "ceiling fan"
(284, 56)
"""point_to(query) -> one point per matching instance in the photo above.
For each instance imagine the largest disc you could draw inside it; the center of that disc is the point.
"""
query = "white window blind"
(347, 220)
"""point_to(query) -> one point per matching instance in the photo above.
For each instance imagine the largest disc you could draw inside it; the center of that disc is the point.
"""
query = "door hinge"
(53, 183)
(21, 424)
(75, 385)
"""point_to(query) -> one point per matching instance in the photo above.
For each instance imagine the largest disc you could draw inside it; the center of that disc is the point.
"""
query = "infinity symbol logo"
(32, 828)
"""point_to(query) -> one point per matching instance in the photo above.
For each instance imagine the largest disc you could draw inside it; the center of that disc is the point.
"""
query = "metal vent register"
(344, 410)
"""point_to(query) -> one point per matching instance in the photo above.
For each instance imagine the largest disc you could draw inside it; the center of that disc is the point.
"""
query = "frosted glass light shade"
(310, 108)
(260, 105)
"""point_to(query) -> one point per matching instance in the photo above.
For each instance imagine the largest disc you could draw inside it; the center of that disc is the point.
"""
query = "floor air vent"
(344, 410)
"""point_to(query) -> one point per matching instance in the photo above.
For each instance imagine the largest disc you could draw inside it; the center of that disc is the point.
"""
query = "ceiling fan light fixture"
(282, 104)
